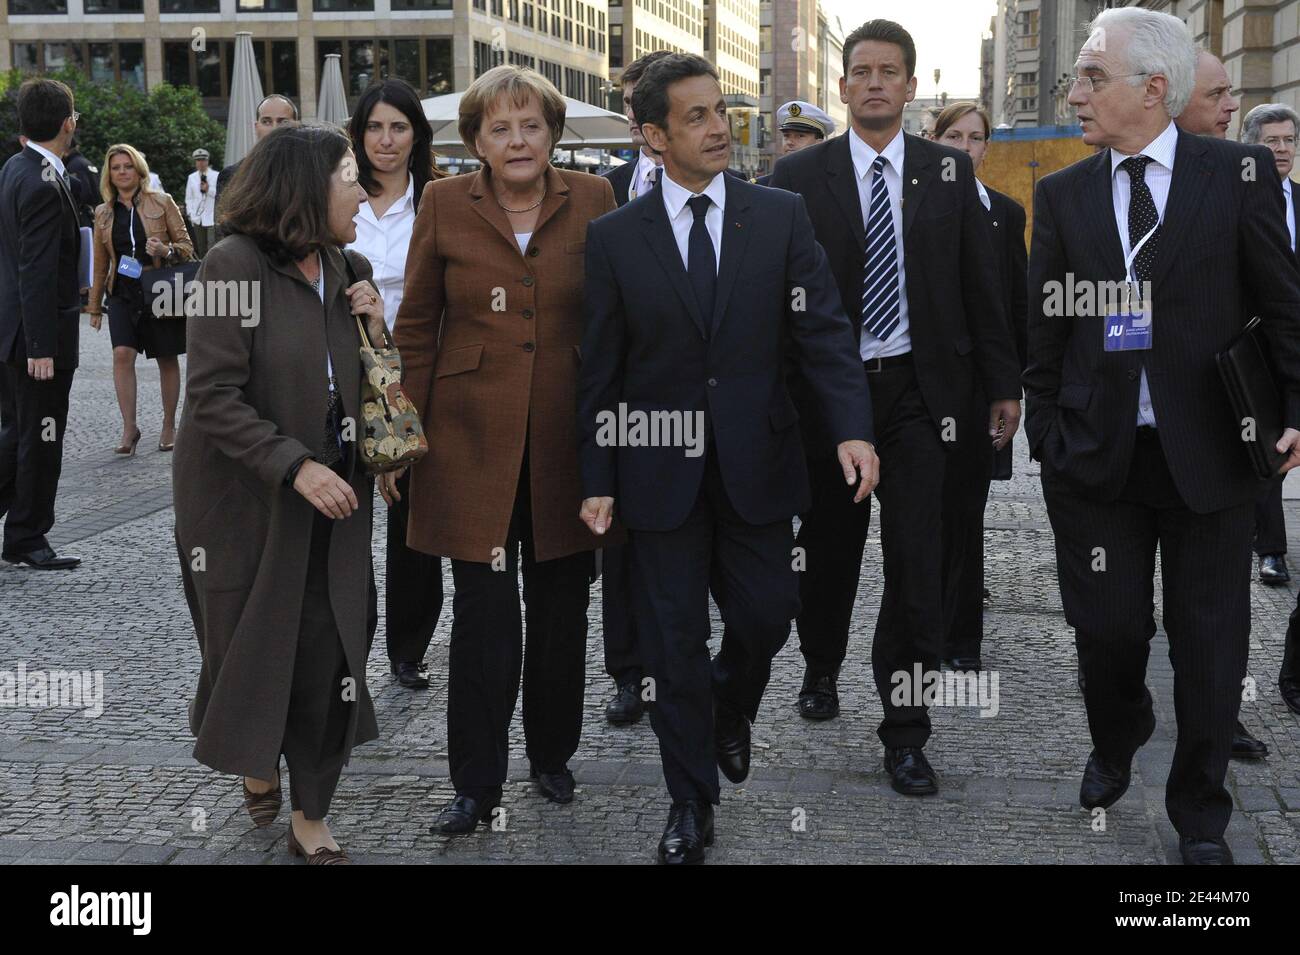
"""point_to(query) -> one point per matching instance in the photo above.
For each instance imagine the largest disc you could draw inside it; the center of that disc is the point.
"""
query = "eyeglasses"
(1089, 84)
(1274, 141)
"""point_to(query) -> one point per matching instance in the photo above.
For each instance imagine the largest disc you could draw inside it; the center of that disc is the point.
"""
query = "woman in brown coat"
(489, 329)
(136, 227)
(272, 506)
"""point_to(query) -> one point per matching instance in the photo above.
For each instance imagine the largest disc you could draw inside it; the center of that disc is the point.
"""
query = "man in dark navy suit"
(40, 313)
(698, 295)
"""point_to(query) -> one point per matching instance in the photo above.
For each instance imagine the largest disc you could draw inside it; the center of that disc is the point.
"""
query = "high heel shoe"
(322, 856)
(129, 449)
(263, 807)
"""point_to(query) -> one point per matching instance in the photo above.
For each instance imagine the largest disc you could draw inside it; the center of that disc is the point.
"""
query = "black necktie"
(701, 261)
(1142, 216)
(654, 176)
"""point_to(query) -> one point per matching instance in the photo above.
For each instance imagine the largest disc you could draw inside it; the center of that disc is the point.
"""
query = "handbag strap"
(352, 280)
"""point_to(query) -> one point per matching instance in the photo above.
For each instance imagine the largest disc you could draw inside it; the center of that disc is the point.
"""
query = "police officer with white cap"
(801, 124)
(201, 202)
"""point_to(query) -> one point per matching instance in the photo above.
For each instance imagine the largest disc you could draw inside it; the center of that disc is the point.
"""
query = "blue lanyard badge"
(1128, 326)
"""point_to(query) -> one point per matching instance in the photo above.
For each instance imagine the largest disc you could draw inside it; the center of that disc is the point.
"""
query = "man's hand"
(597, 513)
(859, 458)
(42, 369)
(1004, 419)
(1289, 444)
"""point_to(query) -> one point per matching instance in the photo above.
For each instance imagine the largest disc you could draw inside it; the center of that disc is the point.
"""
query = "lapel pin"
(914, 182)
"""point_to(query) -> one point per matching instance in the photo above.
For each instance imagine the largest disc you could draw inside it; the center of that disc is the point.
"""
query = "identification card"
(129, 267)
(1128, 328)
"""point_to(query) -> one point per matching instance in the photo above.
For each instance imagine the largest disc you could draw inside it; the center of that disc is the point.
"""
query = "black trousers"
(1105, 555)
(29, 463)
(748, 570)
(832, 536)
(315, 731)
(965, 495)
(909, 627)
(487, 651)
(413, 593)
(1270, 524)
(622, 658)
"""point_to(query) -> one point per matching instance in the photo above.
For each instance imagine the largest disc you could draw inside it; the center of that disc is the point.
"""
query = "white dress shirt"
(984, 195)
(54, 160)
(1159, 173)
(681, 216)
(1287, 186)
(642, 177)
(201, 206)
(384, 242)
(899, 343)
(522, 239)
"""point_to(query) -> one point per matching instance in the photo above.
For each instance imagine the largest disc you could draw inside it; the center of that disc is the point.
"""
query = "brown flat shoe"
(322, 856)
(263, 807)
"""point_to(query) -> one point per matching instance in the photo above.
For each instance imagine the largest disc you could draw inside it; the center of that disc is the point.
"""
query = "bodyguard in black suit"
(274, 111)
(698, 294)
(40, 313)
(908, 243)
(1140, 448)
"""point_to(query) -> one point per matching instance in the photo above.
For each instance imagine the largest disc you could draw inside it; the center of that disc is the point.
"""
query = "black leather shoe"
(912, 772)
(411, 675)
(1288, 679)
(819, 699)
(557, 787)
(1272, 569)
(1245, 746)
(1204, 851)
(463, 815)
(43, 559)
(627, 706)
(961, 664)
(688, 833)
(731, 742)
(1104, 783)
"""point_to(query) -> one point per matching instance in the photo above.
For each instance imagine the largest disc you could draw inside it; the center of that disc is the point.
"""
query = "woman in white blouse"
(391, 139)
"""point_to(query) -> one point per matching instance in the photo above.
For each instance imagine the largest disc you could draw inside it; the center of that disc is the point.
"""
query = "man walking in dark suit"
(40, 311)
(1126, 411)
(909, 245)
(1276, 126)
(698, 295)
(274, 111)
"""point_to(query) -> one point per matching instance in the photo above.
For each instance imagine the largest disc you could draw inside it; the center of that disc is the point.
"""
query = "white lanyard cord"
(1132, 256)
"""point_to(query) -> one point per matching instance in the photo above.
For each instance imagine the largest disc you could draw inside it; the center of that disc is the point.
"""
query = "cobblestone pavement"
(123, 787)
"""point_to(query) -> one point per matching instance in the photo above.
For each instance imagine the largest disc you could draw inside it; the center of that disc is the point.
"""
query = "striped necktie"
(880, 302)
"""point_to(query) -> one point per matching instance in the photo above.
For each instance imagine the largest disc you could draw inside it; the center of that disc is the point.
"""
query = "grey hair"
(1267, 113)
(1158, 43)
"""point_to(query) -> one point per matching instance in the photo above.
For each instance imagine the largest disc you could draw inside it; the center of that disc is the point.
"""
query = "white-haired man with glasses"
(1125, 410)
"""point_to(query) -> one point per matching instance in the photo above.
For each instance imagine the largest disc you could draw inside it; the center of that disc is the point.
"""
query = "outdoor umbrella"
(245, 94)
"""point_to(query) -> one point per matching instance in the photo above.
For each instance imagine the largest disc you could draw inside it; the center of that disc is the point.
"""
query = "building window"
(103, 62)
(485, 57)
(615, 45)
(363, 62)
(190, 6)
(114, 6)
(28, 7)
(209, 70)
(342, 6)
(266, 6)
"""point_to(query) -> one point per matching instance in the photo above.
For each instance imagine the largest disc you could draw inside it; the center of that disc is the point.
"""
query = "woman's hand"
(157, 247)
(96, 319)
(325, 490)
(366, 301)
(388, 486)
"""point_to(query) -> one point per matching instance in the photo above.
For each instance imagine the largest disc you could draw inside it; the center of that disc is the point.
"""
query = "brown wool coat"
(255, 403)
(160, 217)
(486, 377)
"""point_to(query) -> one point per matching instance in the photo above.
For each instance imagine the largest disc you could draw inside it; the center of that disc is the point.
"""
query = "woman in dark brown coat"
(272, 506)
(489, 328)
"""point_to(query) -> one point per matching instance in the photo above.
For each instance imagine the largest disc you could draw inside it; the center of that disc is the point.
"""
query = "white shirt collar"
(984, 195)
(1161, 150)
(407, 202)
(675, 196)
(58, 163)
(864, 156)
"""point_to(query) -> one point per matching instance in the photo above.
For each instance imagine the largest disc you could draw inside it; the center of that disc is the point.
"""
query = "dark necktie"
(654, 176)
(701, 261)
(1142, 216)
(881, 305)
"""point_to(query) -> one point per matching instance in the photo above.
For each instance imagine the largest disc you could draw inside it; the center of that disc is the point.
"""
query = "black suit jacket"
(40, 299)
(646, 344)
(1007, 218)
(1223, 248)
(1295, 202)
(224, 179)
(620, 178)
(956, 315)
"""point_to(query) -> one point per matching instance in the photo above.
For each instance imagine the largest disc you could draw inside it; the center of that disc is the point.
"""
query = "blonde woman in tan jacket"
(137, 228)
